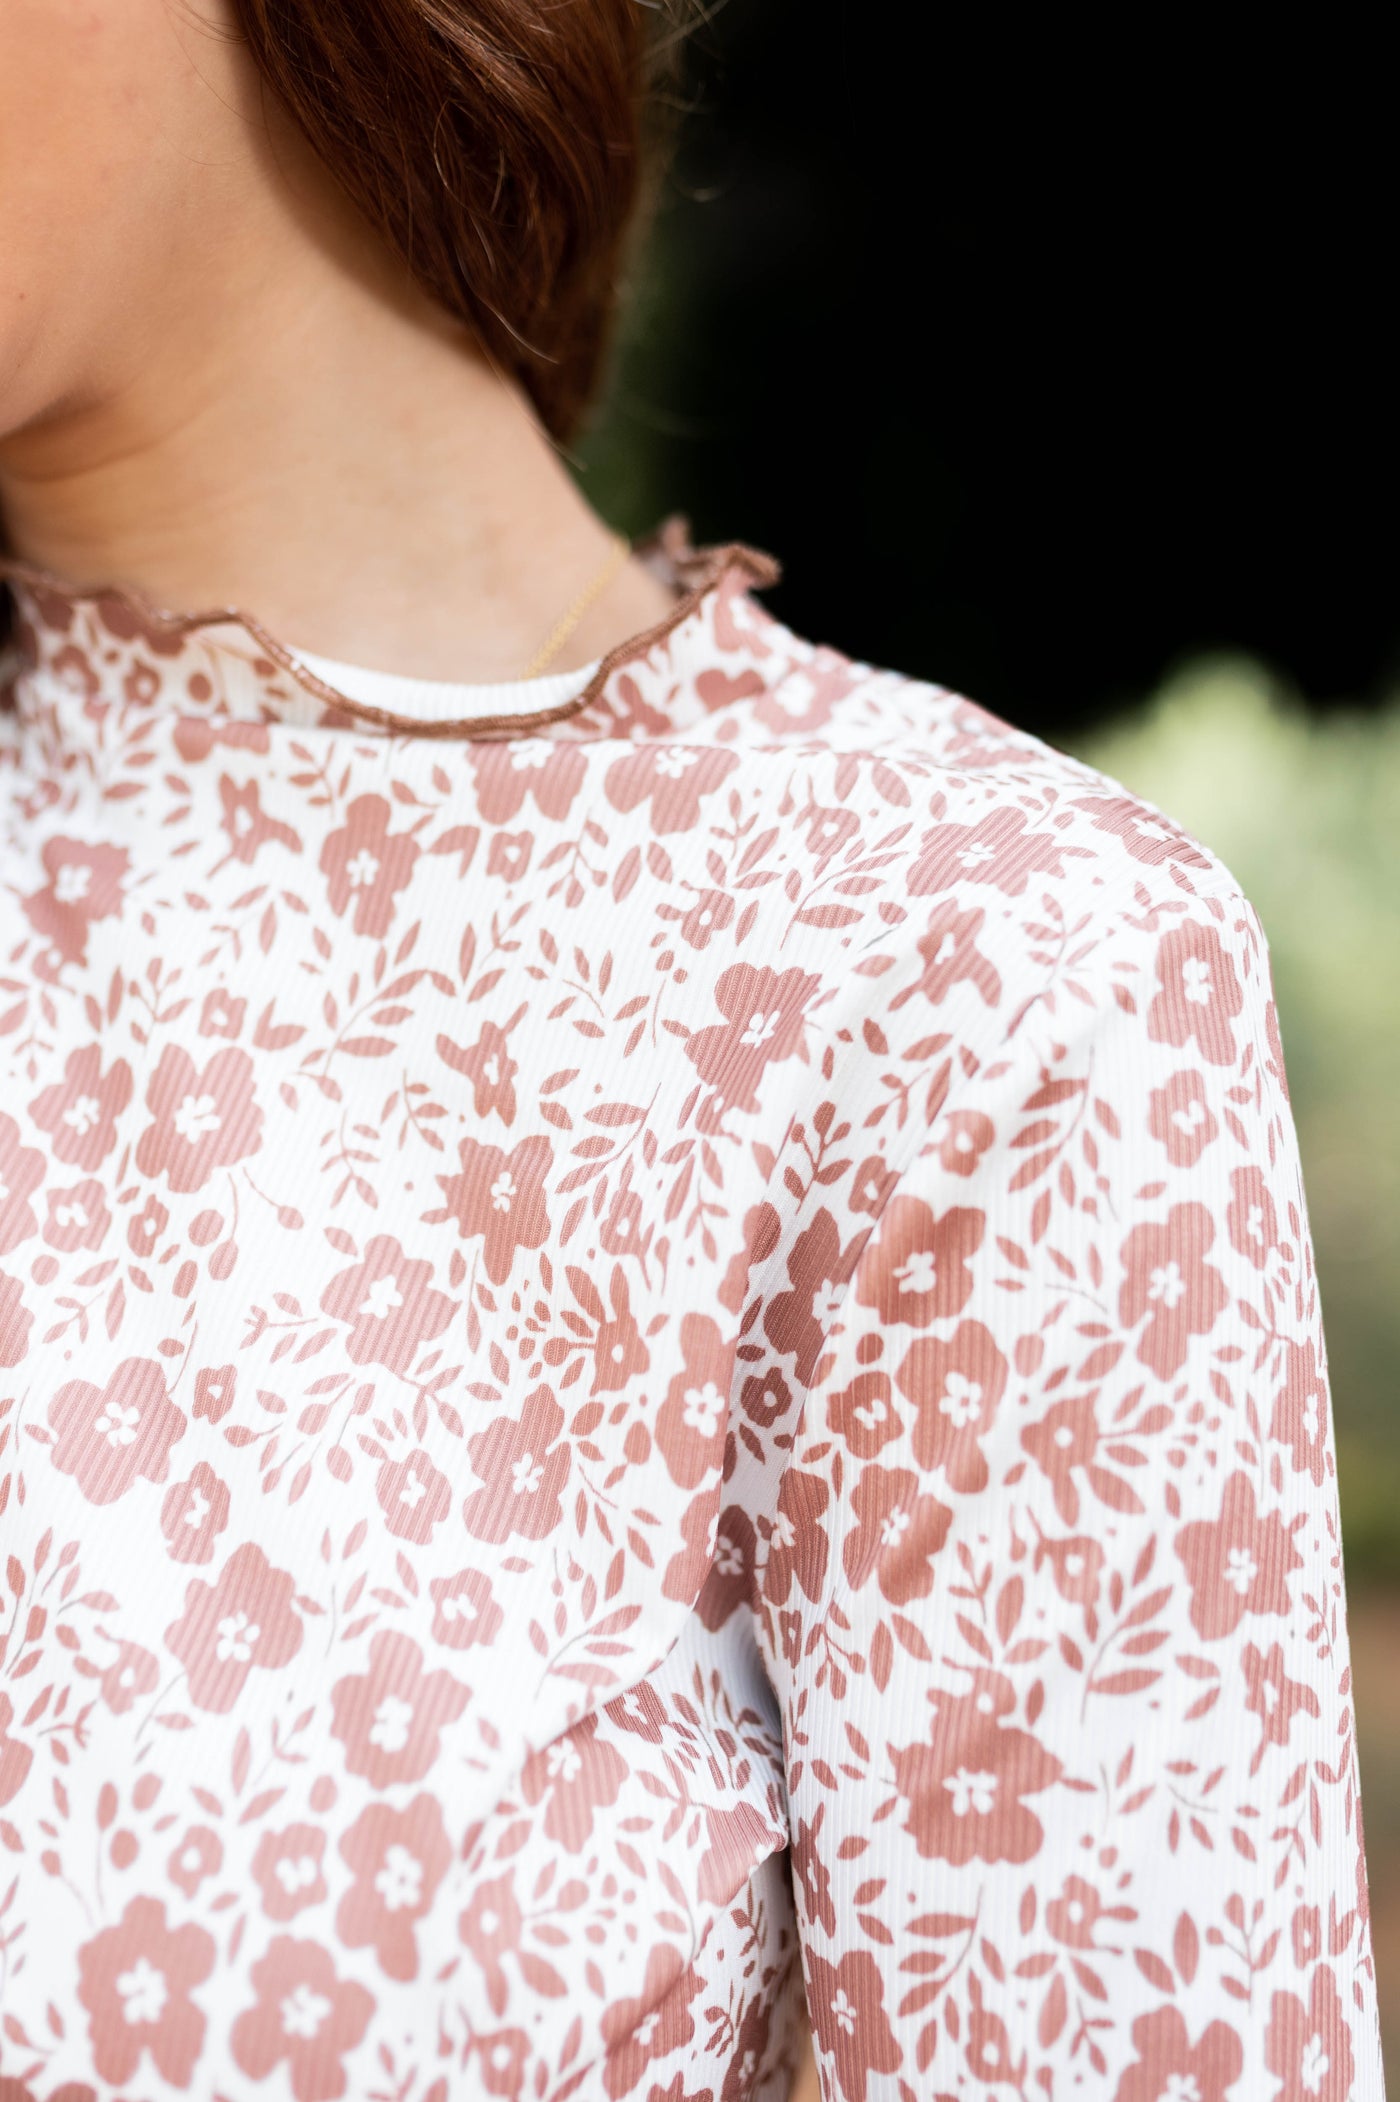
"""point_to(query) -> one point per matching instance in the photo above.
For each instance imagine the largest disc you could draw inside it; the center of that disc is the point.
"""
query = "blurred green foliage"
(1305, 811)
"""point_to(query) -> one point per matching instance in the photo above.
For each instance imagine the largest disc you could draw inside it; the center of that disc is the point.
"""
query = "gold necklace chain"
(569, 620)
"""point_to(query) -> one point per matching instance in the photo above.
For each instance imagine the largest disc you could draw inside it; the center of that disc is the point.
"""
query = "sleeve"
(1052, 1595)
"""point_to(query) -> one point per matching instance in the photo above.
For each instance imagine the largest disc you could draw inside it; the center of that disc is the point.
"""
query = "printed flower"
(1169, 2068)
(304, 2015)
(1148, 836)
(464, 1610)
(690, 1423)
(641, 1711)
(872, 1185)
(287, 1870)
(499, 1196)
(1199, 993)
(961, 1137)
(828, 830)
(738, 1839)
(144, 1228)
(955, 1388)
(1273, 1696)
(247, 824)
(798, 1544)
(214, 1387)
(619, 1353)
(1167, 1278)
(21, 1172)
(766, 1399)
(389, 1302)
(221, 1014)
(1250, 1218)
(575, 1776)
(686, 1572)
(657, 2022)
(15, 1321)
(399, 1857)
(999, 850)
(135, 1980)
(864, 1414)
(526, 766)
(951, 957)
(797, 1322)
(917, 1269)
(1308, 2048)
(508, 855)
(730, 1581)
(673, 777)
(765, 1016)
(966, 1785)
(1300, 1416)
(1179, 1118)
(1066, 1437)
(1073, 1915)
(490, 1068)
(1305, 1931)
(364, 863)
(244, 1619)
(849, 2022)
(522, 1468)
(813, 1872)
(78, 1216)
(203, 1119)
(107, 1436)
(199, 1854)
(414, 1496)
(390, 1718)
(1076, 1567)
(503, 2056)
(490, 1928)
(85, 884)
(708, 916)
(195, 737)
(15, 1758)
(1237, 1563)
(896, 1536)
(194, 1514)
(131, 1673)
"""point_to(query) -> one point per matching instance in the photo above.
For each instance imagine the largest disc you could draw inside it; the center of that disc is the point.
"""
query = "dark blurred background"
(1058, 367)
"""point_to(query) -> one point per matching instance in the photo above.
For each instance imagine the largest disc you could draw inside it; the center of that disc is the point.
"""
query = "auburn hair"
(498, 146)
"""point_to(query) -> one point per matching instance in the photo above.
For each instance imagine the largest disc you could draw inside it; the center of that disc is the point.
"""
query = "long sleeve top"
(657, 1358)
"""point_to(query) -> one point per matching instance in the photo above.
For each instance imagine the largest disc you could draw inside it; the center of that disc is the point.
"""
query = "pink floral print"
(663, 1378)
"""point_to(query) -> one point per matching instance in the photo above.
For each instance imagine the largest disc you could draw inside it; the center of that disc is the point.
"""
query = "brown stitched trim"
(706, 566)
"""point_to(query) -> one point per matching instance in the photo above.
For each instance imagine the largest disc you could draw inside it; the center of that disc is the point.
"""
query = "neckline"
(434, 699)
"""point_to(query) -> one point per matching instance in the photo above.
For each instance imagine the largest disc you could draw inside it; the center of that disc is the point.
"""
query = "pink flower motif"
(765, 1019)
(508, 855)
(1148, 836)
(78, 1216)
(1300, 1417)
(221, 1014)
(414, 1496)
(390, 1718)
(522, 1468)
(730, 1581)
(864, 1414)
(1169, 2064)
(503, 2056)
(364, 862)
(247, 824)
(999, 850)
(1166, 1277)
(918, 1268)
(619, 1354)
(389, 1303)
(399, 1857)
(798, 1545)
(527, 766)
(15, 1758)
(851, 2027)
(872, 1186)
(21, 1172)
(15, 1321)
(199, 1855)
(708, 916)
(798, 1321)
(135, 1980)
(304, 2015)
(1308, 2049)
(1065, 1437)
(1199, 993)
(966, 1784)
(144, 1228)
(961, 1137)
(1179, 1117)
(690, 1424)
(956, 1388)
(131, 1673)
(738, 1839)
(244, 1619)
(489, 1067)
(287, 1870)
(107, 1436)
(897, 1534)
(673, 777)
(1250, 1218)
(85, 884)
(1076, 1567)
(499, 1196)
(194, 1514)
(464, 1610)
(636, 2032)
(575, 1777)
(1273, 1696)
(1237, 1563)
(951, 957)
(491, 1928)
(196, 736)
(214, 1387)
(203, 1119)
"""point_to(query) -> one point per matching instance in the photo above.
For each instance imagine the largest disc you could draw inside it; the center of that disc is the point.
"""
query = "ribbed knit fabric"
(643, 1363)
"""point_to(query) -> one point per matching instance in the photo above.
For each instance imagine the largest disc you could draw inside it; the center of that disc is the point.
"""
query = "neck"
(310, 441)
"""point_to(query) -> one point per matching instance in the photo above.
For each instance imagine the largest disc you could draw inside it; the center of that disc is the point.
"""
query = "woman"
(630, 1252)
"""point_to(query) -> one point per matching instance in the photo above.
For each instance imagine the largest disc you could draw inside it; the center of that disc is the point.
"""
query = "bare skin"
(216, 386)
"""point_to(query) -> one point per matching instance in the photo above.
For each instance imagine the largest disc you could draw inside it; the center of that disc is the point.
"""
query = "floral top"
(650, 1356)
